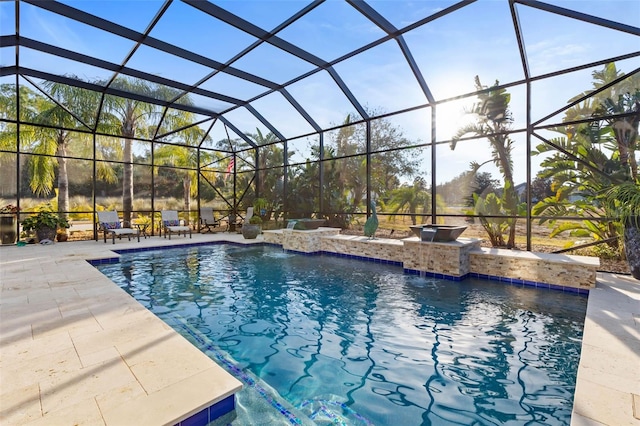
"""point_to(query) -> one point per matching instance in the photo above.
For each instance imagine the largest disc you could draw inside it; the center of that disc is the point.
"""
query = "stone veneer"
(451, 259)
(300, 241)
(554, 269)
(381, 249)
(455, 260)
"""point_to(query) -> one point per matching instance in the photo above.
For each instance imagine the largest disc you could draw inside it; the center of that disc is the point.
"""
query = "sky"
(450, 51)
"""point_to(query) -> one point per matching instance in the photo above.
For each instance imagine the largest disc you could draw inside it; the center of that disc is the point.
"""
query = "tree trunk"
(127, 182)
(186, 187)
(63, 180)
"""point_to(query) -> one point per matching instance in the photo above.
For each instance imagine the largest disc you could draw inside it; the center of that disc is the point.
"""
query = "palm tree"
(493, 123)
(185, 157)
(133, 119)
(270, 160)
(622, 101)
(29, 101)
(66, 110)
(593, 157)
(410, 198)
(69, 108)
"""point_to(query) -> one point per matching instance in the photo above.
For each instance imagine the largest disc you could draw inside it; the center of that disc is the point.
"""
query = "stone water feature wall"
(452, 260)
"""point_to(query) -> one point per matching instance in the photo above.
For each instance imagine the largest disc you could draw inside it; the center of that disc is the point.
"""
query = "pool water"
(329, 340)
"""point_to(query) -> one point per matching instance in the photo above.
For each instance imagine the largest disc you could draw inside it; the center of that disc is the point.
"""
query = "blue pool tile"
(199, 419)
(104, 261)
(221, 408)
(209, 414)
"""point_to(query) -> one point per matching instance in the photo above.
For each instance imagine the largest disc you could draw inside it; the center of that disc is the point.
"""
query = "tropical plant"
(591, 157)
(45, 218)
(624, 201)
(255, 220)
(620, 105)
(410, 198)
(130, 119)
(270, 156)
(577, 174)
(68, 108)
(185, 158)
(493, 122)
(491, 211)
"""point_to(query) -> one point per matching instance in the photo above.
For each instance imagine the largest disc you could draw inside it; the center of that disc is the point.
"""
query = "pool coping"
(607, 390)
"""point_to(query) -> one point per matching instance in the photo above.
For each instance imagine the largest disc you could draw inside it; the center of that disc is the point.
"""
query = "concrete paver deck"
(76, 349)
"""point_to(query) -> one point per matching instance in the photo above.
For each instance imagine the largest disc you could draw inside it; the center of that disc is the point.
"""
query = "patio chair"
(109, 223)
(208, 220)
(241, 220)
(172, 225)
(245, 219)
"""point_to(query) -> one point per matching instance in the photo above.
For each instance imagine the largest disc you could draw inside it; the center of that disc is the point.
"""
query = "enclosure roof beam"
(301, 110)
(75, 56)
(252, 29)
(237, 131)
(264, 121)
(111, 91)
(103, 24)
(581, 16)
(391, 30)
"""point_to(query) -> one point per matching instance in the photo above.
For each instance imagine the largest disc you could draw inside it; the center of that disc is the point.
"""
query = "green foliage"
(592, 166)
(605, 251)
(624, 201)
(496, 227)
(255, 220)
(493, 122)
(412, 199)
(45, 218)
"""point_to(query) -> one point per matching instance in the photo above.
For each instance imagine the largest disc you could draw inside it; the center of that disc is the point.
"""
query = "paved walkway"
(76, 349)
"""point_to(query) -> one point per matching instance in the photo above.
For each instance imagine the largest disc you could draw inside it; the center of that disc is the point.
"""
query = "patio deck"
(76, 349)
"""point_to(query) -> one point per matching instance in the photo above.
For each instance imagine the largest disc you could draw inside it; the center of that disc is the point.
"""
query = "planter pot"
(632, 248)
(250, 231)
(46, 234)
(8, 234)
(62, 237)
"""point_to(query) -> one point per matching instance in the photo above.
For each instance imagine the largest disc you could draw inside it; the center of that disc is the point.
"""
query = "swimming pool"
(332, 340)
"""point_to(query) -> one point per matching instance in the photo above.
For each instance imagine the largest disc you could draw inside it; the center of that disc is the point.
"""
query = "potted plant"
(251, 230)
(624, 201)
(61, 235)
(8, 217)
(45, 223)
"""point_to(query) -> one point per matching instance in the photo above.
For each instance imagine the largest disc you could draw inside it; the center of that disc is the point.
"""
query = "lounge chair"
(109, 223)
(208, 220)
(172, 225)
(246, 218)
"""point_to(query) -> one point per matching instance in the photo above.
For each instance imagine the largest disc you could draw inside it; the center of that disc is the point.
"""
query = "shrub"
(45, 218)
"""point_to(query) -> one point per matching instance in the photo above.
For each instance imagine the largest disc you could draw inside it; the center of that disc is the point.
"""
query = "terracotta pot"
(62, 237)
